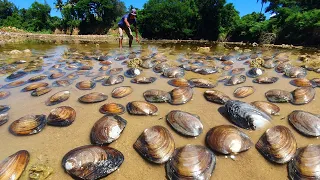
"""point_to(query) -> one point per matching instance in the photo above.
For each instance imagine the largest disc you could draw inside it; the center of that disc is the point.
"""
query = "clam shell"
(58, 98)
(305, 122)
(147, 64)
(156, 96)
(305, 164)
(234, 80)
(269, 64)
(159, 68)
(141, 108)
(93, 97)
(316, 82)
(173, 72)
(4, 108)
(237, 71)
(242, 92)
(37, 78)
(191, 162)
(282, 66)
(4, 94)
(246, 116)
(121, 92)
(34, 86)
(216, 96)
(15, 84)
(180, 82)
(92, 162)
(265, 80)
(61, 116)
(181, 95)
(267, 107)
(255, 72)
(114, 71)
(28, 125)
(72, 76)
(301, 82)
(57, 75)
(104, 68)
(100, 78)
(106, 62)
(86, 85)
(62, 83)
(202, 83)
(303, 95)
(185, 123)
(278, 96)
(112, 80)
(295, 72)
(155, 144)
(4, 117)
(13, 166)
(277, 144)
(85, 68)
(143, 80)
(16, 75)
(41, 91)
(227, 139)
(132, 72)
(205, 70)
(107, 129)
(111, 109)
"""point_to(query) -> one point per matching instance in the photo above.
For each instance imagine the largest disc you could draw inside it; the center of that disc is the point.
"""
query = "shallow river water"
(52, 143)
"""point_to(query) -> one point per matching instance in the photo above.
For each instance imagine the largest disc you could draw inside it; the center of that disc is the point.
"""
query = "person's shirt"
(122, 24)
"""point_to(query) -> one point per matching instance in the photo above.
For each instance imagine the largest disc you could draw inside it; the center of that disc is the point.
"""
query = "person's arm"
(126, 21)
(137, 35)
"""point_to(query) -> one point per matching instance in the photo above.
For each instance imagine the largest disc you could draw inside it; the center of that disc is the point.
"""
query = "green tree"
(229, 21)
(37, 17)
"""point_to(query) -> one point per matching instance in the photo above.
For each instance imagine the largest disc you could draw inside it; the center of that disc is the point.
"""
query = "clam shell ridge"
(61, 116)
(303, 95)
(122, 91)
(277, 144)
(305, 122)
(181, 95)
(28, 125)
(155, 144)
(227, 139)
(13, 166)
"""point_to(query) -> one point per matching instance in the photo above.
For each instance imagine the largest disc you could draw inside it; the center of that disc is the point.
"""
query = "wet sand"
(50, 145)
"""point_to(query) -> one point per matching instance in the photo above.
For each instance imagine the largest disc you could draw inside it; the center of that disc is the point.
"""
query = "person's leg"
(120, 37)
(130, 36)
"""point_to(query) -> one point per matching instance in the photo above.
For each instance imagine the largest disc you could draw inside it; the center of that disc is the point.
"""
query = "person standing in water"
(125, 23)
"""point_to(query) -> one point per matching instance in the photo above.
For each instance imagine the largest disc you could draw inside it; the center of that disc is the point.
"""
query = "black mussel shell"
(234, 80)
(255, 72)
(16, 75)
(62, 83)
(132, 72)
(121, 92)
(216, 96)
(15, 84)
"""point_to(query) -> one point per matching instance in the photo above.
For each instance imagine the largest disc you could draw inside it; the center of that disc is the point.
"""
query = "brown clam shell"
(58, 98)
(242, 92)
(34, 86)
(28, 125)
(93, 97)
(301, 82)
(316, 82)
(181, 95)
(114, 71)
(227, 139)
(305, 164)
(191, 162)
(180, 82)
(62, 83)
(278, 96)
(15, 84)
(237, 71)
(121, 92)
(86, 85)
(111, 109)
(234, 80)
(106, 62)
(303, 95)
(277, 144)
(104, 68)
(100, 78)
(57, 75)
(156, 96)
(267, 107)
(13, 166)
(4, 94)
(112, 80)
(141, 108)
(202, 83)
(37, 78)
(155, 144)
(305, 122)
(216, 96)
(143, 80)
(107, 129)
(4, 117)
(265, 80)
(41, 91)
(61, 116)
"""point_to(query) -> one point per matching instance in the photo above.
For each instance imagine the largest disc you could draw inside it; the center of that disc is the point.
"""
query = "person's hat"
(134, 12)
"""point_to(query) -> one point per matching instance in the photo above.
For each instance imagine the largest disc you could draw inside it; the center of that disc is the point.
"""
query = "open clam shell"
(13, 166)
(93, 97)
(86, 85)
(112, 80)
(58, 98)
(28, 125)
(141, 108)
(303, 95)
(305, 122)
(278, 96)
(277, 144)
(121, 92)
(61, 116)
(216, 96)
(111, 109)
(267, 107)
(155, 144)
(202, 83)
(181, 95)
(156, 96)
(107, 129)
(242, 92)
(41, 91)
(92, 162)
(227, 139)
(34, 86)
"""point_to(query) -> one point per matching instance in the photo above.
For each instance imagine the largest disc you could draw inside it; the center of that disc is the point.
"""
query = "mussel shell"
(278, 96)
(180, 95)
(106, 62)
(111, 109)
(155, 144)
(305, 164)
(28, 125)
(242, 92)
(282, 66)
(202, 83)
(185, 123)
(104, 68)
(85, 68)
(267, 107)
(107, 129)
(180, 82)
(265, 80)
(156, 96)
(305, 122)
(92, 162)
(61, 116)
(149, 63)
(255, 72)
(121, 92)
(234, 80)
(316, 82)
(58, 98)
(86, 85)
(15, 84)
(245, 115)
(173, 72)
(93, 97)
(13, 166)
(205, 70)
(216, 96)
(34, 86)
(141, 108)
(100, 78)
(112, 80)
(4, 117)
(277, 144)
(159, 68)
(227, 139)
(237, 71)
(191, 162)
(114, 71)
(269, 64)
(4, 108)
(62, 83)
(16, 75)
(72, 76)
(37, 78)
(132, 72)
(41, 91)
(143, 80)
(303, 95)
(295, 72)
(243, 57)
(301, 82)
(4, 94)
(57, 75)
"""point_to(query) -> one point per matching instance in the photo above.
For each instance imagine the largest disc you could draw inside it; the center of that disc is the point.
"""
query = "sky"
(243, 6)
